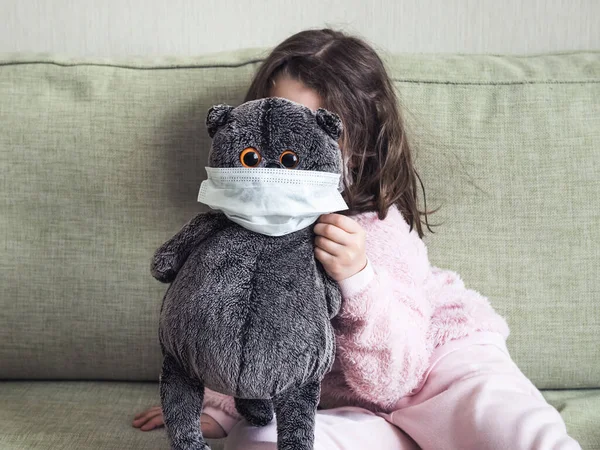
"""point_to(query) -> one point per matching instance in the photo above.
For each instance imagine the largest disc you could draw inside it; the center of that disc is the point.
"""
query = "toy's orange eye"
(289, 159)
(250, 157)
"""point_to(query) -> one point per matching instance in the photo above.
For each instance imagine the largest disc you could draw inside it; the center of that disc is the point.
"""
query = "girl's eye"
(250, 157)
(289, 159)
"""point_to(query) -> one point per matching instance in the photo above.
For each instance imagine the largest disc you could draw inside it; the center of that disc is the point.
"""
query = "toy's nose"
(273, 165)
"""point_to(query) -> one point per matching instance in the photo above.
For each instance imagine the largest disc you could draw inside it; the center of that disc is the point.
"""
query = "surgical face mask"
(273, 202)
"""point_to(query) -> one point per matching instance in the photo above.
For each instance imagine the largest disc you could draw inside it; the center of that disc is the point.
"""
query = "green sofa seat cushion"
(581, 411)
(78, 415)
(98, 415)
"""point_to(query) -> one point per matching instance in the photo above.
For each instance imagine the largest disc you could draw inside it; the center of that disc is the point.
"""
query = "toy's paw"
(163, 267)
(189, 445)
(257, 412)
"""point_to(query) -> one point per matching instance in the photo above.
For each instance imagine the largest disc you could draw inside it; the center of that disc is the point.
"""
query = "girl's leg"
(335, 429)
(476, 398)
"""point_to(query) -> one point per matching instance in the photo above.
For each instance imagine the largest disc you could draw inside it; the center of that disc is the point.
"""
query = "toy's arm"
(169, 258)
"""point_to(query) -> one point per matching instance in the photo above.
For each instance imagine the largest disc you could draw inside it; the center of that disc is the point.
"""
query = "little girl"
(421, 360)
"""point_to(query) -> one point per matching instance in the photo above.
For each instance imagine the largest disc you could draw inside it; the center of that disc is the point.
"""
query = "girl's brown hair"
(352, 81)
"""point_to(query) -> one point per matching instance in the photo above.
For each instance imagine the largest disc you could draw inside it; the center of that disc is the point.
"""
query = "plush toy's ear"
(330, 122)
(217, 117)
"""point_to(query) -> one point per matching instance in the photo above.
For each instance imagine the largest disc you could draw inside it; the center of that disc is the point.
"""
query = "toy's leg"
(295, 410)
(256, 412)
(181, 398)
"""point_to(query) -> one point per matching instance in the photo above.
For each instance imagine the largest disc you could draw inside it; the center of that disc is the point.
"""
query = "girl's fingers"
(143, 413)
(141, 421)
(323, 257)
(333, 233)
(345, 223)
(155, 422)
(329, 246)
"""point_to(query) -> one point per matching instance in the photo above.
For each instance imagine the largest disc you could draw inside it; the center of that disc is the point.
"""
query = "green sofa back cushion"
(102, 161)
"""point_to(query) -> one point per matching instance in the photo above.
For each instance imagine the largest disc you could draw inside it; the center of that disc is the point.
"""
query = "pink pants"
(473, 397)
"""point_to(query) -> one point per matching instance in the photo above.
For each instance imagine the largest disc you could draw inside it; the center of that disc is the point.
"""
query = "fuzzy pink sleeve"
(221, 408)
(458, 311)
(383, 325)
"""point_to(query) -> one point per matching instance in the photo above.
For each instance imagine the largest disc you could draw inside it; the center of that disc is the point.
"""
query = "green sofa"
(101, 161)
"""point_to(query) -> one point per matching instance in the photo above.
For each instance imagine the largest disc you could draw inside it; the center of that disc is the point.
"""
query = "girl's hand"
(153, 418)
(340, 246)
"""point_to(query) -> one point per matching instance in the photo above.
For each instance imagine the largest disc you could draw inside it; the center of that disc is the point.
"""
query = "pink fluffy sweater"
(394, 314)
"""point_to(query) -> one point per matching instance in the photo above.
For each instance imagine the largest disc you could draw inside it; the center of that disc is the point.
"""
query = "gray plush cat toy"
(248, 310)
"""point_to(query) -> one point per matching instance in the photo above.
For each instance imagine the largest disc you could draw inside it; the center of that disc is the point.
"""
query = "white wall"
(187, 27)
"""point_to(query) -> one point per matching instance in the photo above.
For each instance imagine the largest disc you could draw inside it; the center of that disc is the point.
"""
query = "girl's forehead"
(296, 91)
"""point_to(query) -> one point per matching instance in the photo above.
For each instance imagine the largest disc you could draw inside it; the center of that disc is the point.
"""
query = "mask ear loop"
(346, 178)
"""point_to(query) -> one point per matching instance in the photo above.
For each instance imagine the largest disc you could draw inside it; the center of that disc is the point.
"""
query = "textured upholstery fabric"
(101, 162)
(513, 160)
(97, 415)
(512, 156)
(78, 415)
(581, 411)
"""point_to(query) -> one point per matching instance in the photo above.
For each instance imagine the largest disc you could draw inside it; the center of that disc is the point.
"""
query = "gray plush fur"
(246, 314)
